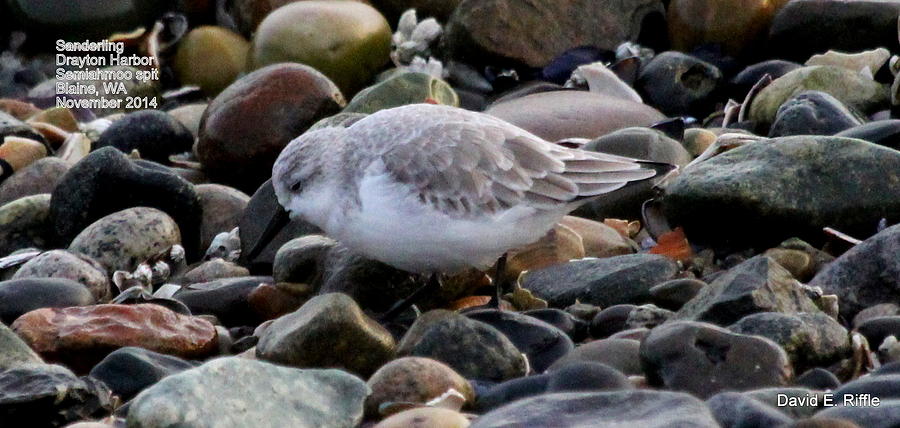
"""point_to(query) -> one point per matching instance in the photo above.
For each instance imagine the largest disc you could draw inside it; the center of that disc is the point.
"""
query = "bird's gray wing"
(473, 168)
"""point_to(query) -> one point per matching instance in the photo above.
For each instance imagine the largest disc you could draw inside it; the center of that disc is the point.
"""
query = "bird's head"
(298, 169)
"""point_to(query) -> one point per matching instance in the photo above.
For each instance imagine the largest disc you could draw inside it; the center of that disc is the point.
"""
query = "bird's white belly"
(392, 226)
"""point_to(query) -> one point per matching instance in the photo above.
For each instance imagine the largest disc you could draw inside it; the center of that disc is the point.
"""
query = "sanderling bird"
(433, 189)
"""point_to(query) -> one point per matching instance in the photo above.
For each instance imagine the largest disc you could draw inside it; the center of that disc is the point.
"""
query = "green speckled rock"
(23, 224)
(236, 392)
(403, 89)
(330, 330)
(347, 41)
(810, 339)
(771, 190)
(848, 86)
(122, 240)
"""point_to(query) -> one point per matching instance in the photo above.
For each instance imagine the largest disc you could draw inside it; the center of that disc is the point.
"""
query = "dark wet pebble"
(604, 282)
(813, 113)
(18, 296)
(50, 396)
(568, 323)
(620, 354)
(818, 378)
(705, 359)
(679, 84)
(610, 321)
(741, 84)
(865, 275)
(472, 348)
(227, 299)
(581, 377)
(756, 285)
(652, 409)
(541, 342)
(154, 134)
(128, 371)
(673, 294)
(736, 410)
(881, 132)
(84, 195)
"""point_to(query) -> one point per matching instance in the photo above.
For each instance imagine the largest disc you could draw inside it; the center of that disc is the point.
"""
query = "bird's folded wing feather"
(465, 168)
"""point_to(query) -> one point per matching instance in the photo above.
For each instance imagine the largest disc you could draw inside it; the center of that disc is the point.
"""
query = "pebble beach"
(754, 281)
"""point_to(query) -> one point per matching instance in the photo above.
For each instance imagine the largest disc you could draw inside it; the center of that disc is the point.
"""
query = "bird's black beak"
(279, 220)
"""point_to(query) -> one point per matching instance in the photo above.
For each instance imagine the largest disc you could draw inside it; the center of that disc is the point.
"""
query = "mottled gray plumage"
(466, 181)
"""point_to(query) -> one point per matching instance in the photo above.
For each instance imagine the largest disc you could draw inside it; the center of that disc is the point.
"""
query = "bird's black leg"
(433, 285)
(499, 282)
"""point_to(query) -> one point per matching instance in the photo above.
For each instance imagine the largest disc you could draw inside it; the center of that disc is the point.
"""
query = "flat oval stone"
(733, 409)
(19, 296)
(122, 240)
(557, 115)
(741, 83)
(603, 282)
(877, 329)
(41, 176)
(577, 376)
(80, 337)
(269, 396)
(644, 408)
(66, 265)
(611, 320)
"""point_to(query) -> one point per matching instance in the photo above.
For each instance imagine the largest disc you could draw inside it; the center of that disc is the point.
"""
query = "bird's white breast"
(393, 226)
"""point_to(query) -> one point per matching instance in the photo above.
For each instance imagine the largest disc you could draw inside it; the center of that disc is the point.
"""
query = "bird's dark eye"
(296, 186)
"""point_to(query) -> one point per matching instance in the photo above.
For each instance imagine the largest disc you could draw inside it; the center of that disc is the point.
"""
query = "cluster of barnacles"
(411, 44)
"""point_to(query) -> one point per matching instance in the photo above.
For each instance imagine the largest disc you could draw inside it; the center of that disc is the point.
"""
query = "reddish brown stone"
(18, 109)
(80, 337)
(245, 128)
(272, 301)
